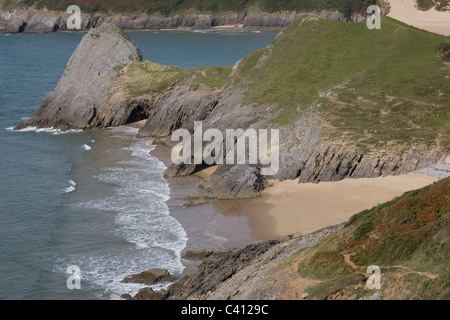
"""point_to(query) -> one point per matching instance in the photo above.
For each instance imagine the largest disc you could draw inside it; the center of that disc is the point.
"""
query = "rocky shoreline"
(219, 275)
(90, 95)
(98, 100)
(30, 20)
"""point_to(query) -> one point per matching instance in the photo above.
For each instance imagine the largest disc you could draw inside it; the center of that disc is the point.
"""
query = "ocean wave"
(70, 188)
(139, 215)
(86, 147)
(46, 130)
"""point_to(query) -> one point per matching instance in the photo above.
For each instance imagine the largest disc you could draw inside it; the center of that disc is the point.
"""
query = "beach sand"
(289, 207)
(431, 20)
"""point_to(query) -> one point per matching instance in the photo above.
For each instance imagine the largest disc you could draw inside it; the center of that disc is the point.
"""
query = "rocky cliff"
(84, 97)
(95, 92)
(32, 21)
(411, 250)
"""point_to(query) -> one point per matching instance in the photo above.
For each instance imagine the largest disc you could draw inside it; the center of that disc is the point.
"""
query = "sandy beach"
(431, 20)
(291, 208)
(288, 207)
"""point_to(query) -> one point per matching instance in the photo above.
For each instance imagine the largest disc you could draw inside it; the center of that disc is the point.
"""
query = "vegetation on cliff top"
(408, 237)
(147, 77)
(171, 7)
(372, 87)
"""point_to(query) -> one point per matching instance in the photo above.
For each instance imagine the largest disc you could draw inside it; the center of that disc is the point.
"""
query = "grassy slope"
(407, 237)
(147, 77)
(372, 86)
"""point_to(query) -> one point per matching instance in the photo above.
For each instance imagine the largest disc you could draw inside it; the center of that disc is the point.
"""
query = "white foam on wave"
(70, 188)
(46, 130)
(86, 147)
(140, 216)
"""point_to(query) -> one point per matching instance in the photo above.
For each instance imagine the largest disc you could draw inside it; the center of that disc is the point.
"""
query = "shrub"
(362, 230)
(324, 265)
(443, 47)
(446, 57)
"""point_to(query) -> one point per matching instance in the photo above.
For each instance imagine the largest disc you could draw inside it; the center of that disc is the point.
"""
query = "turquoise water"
(96, 198)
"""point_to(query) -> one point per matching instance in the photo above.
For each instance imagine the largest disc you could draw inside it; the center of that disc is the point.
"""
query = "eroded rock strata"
(90, 95)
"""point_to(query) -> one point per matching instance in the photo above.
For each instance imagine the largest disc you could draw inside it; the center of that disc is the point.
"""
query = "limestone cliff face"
(84, 97)
(89, 96)
(304, 153)
(32, 21)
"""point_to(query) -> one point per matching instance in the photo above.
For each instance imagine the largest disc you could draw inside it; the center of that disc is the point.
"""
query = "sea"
(81, 210)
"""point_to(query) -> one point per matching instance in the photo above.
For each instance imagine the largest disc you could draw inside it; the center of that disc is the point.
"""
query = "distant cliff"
(34, 21)
(30, 20)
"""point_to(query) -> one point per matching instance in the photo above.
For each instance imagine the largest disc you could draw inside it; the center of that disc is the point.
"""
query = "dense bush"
(443, 47)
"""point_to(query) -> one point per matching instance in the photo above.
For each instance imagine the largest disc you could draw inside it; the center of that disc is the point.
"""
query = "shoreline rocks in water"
(150, 277)
(220, 273)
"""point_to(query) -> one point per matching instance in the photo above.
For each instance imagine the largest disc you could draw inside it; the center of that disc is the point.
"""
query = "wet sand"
(291, 208)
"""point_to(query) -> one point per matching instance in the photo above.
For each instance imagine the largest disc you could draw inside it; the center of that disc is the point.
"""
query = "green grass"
(147, 77)
(383, 85)
(324, 265)
(324, 289)
(212, 77)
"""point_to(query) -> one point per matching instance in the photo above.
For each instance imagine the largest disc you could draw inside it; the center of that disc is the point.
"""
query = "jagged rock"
(213, 273)
(376, 296)
(234, 182)
(82, 98)
(248, 273)
(30, 20)
(149, 277)
(195, 255)
(11, 22)
(147, 294)
(181, 170)
(180, 110)
(440, 171)
(42, 22)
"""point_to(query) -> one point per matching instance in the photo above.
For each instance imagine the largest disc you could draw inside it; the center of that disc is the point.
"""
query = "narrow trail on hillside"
(347, 258)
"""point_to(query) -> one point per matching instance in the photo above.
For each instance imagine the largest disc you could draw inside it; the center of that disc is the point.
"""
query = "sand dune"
(431, 20)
